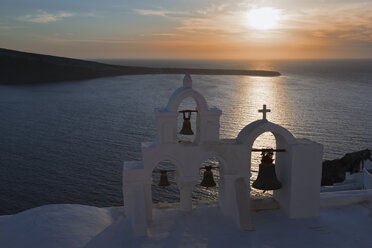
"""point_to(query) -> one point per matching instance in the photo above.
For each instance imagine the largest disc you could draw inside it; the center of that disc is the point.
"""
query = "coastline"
(21, 68)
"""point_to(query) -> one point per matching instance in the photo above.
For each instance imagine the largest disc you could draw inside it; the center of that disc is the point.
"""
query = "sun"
(263, 18)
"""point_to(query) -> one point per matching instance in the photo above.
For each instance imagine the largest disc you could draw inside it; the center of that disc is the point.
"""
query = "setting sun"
(263, 18)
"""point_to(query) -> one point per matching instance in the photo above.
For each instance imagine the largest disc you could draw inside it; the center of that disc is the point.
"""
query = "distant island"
(21, 68)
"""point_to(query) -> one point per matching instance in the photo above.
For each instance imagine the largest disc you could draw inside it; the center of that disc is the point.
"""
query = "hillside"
(29, 68)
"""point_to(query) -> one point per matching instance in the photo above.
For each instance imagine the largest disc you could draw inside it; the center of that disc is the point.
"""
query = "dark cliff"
(29, 68)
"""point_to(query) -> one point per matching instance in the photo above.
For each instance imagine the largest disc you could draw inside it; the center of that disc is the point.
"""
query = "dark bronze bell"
(163, 179)
(186, 126)
(266, 179)
(208, 180)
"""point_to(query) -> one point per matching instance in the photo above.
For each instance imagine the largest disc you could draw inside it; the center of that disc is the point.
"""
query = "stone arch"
(183, 93)
(250, 132)
(284, 140)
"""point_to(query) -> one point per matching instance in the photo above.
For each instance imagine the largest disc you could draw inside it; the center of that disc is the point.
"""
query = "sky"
(189, 29)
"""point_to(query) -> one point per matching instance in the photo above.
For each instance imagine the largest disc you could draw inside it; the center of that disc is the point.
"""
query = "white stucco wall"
(298, 168)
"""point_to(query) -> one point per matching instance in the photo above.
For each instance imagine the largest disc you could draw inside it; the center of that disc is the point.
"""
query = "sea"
(66, 142)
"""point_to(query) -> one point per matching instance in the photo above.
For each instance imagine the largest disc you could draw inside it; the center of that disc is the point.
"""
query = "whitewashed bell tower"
(298, 169)
(207, 122)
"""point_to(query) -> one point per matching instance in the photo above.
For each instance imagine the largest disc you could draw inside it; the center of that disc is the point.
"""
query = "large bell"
(186, 126)
(266, 179)
(163, 179)
(208, 180)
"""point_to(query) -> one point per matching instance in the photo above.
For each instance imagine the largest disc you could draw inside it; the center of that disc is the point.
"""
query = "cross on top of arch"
(264, 111)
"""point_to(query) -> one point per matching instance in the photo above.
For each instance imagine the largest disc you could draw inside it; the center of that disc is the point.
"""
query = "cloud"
(167, 34)
(95, 41)
(331, 20)
(163, 13)
(5, 27)
(308, 31)
(350, 22)
(212, 19)
(151, 12)
(45, 17)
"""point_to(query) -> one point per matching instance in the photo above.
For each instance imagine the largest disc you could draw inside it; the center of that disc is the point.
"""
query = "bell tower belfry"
(207, 122)
(298, 169)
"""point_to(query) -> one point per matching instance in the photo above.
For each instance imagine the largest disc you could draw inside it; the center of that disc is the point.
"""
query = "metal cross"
(264, 111)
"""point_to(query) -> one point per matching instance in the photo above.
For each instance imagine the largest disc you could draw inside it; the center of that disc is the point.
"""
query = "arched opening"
(165, 195)
(203, 195)
(279, 138)
(263, 141)
(187, 104)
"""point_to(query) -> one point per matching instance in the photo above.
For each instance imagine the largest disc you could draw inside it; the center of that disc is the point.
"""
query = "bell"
(186, 126)
(208, 180)
(163, 179)
(266, 179)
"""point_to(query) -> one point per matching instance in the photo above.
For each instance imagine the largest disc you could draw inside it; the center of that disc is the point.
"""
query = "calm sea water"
(66, 142)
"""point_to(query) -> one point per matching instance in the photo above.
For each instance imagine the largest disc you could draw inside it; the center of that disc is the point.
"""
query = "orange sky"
(189, 29)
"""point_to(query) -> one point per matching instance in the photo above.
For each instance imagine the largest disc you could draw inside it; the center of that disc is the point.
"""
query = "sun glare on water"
(263, 18)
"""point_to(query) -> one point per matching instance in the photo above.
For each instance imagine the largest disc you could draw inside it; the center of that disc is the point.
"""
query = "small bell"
(208, 180)
(186, 126)
(266, 179)
(163, 179)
